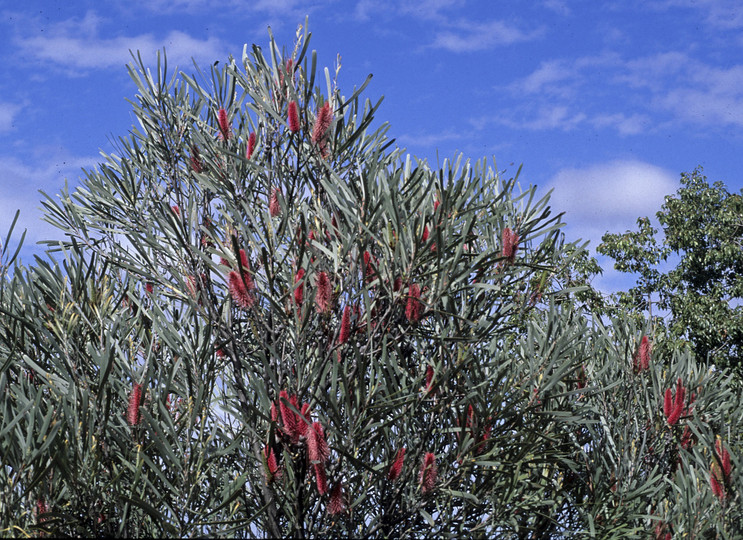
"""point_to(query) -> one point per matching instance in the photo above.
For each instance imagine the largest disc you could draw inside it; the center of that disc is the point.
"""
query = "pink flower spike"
(323, 294)
(287, 415)
(424, 236)
(510, 244)
(322, 123)
(345, 331)
(337, 503)
(413, 308)
(293, 117)
(396, 467)
(224, 125)
(135, 399)
(321, 478)
(273, 206)
(317, 447)
(668, 403)
(251, 145)
(428, 473)
(299, 289)
(641, 359)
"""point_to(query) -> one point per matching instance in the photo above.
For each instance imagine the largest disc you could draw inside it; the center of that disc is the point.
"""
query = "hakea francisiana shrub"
(428, 473)
(720, 471)
(641, 358)
(135, 400)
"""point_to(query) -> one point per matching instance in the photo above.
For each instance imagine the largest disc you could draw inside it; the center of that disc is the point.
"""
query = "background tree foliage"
(264, 320)
(702, 239)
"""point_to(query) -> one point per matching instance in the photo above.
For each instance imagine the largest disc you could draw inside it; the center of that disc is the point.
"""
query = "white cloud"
(77, 44)
(468, 36)
(609, 196)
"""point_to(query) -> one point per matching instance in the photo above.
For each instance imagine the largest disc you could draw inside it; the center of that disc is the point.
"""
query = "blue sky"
(607, 102)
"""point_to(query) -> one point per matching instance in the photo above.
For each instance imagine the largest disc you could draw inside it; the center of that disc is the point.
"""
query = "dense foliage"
(264, 320)
(692, 273)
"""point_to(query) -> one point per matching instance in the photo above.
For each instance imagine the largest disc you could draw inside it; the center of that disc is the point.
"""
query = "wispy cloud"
(78, 44)
(19, 185)
(468, 36)
(631, 96)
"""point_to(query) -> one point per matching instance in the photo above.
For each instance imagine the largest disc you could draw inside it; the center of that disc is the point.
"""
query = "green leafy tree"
(265, 321)
(702, 235)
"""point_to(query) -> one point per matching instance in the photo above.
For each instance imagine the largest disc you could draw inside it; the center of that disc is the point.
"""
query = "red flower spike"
(428, 473)
(321, 478)
(668, 403)
(299, 289)
(368, 267)
(424, 236)
(251, 145)
(510, 244)
(413, 309)
(429, 377)
(397, 285)
(273, 206)
(337, 503)
(196, 160)
(641, 359)
(724, 457)
(148, 287)
(687, 439)
(274, 412)
(271, 465)
(322, 123)
(304, 421)
(176, 210)
(224, 125)
(714, 482)
(436, 205)
(396, 467)
(674, 411)
(323, 294)
(345, 331)
(132, 411)
(293, 117)
(241, 289)
(317, 447)
(287, 415)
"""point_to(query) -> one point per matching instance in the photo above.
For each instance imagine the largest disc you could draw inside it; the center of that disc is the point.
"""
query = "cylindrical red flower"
(428, 473)
(321, 478)
(224, 125)
(288, 417)
(299, 289)
(323, 293)
(413, 308)
(273, 206)
(317, 447)
(337, 503)
(510, 244)
(641, 359)
(345, 331)
(251, 145)
(135, 399)
(196, 160)
(293, 117)
(396, 467)
(322, 123)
